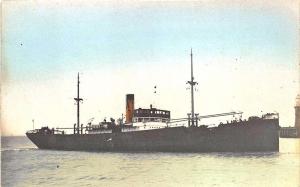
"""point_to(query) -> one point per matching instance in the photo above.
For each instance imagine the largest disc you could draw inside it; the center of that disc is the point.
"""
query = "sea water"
(22, 164)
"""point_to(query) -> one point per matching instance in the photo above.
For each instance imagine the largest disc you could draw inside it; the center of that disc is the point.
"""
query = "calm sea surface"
(22, 164)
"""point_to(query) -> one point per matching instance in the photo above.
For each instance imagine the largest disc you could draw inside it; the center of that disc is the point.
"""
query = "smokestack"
(129, 107)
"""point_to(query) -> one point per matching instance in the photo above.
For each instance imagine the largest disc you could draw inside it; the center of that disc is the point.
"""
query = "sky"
(245, 59)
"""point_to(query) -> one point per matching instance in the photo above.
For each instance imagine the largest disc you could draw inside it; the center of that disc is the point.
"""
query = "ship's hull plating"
(260, 135)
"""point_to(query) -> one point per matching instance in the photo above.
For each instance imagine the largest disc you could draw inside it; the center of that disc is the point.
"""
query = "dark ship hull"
(257, 135)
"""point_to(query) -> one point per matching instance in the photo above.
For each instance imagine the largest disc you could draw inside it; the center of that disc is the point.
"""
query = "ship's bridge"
(151, 115)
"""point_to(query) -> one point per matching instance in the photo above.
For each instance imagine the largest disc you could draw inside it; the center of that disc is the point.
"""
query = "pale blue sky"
(40, 38)
(246, 57)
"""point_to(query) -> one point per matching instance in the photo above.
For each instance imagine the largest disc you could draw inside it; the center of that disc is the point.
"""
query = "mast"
(78, 99)
(192, 83)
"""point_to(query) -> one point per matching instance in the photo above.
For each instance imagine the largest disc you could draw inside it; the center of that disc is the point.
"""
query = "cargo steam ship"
(153, 129)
